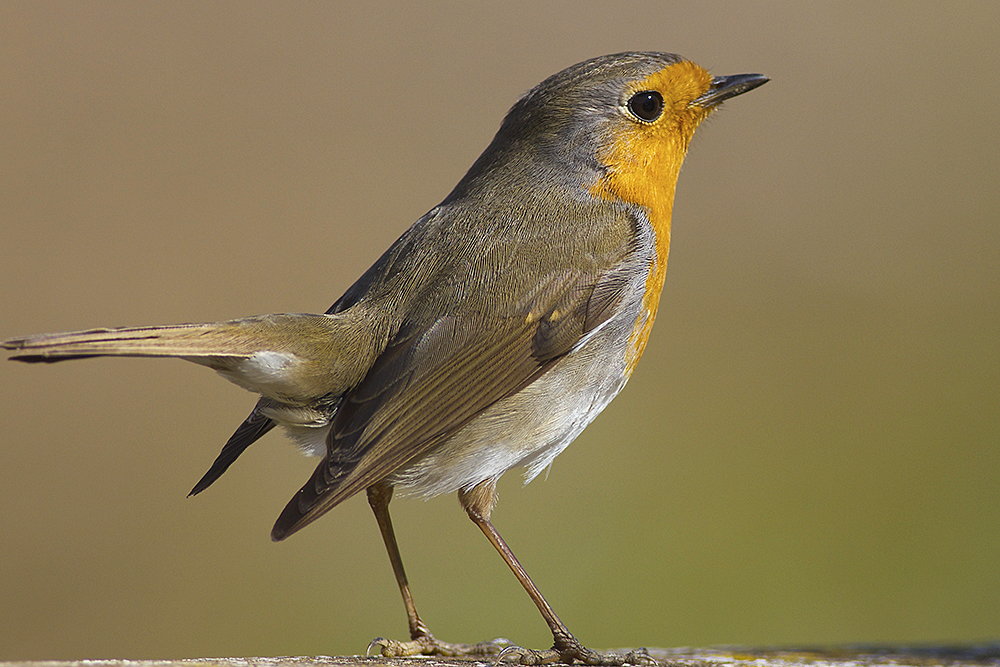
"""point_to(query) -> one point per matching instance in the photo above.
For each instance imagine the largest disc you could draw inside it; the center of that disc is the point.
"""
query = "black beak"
(724, 87)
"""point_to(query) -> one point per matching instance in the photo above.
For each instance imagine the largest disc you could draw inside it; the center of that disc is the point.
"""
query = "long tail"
(184, 340)
(292, 356)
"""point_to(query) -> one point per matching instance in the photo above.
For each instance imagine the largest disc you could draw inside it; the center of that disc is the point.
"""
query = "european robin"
(489, 335)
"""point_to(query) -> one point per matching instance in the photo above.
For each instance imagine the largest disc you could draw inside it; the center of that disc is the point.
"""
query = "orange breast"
(644, 161)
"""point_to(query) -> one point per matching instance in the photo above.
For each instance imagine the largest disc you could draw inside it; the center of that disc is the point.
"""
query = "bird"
(488, 336)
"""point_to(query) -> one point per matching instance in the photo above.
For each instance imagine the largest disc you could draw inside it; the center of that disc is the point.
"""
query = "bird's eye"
(647, 105)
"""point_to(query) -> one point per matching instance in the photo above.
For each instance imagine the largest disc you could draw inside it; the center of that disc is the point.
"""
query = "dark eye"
(647, 105)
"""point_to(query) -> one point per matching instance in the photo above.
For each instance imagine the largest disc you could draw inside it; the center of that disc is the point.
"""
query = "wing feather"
(431, 380)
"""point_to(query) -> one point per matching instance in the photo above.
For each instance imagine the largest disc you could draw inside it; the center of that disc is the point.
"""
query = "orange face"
(644, 160)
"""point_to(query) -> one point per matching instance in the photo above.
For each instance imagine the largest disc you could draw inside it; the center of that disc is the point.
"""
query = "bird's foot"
(427, 644)
(569, 652)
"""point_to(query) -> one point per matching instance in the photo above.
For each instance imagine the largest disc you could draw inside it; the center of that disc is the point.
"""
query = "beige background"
(808, 452)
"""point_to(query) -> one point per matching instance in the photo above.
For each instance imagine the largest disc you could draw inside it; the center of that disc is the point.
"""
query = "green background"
(808, 452)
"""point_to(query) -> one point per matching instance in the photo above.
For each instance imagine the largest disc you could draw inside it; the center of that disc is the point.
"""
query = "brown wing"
(431, 380)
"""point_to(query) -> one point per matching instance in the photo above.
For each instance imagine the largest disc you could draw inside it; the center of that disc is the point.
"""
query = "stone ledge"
(984, 654)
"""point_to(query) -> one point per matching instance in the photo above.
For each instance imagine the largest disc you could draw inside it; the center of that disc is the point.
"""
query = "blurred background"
(808, 452)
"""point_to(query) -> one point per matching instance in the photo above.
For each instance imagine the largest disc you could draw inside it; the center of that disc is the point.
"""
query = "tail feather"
(185, 340)
(298, 334)
(250, 431)
(292, 358)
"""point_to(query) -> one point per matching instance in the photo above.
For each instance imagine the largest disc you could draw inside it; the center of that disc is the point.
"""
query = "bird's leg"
(379, 496)
(478, 503)
(422, 642)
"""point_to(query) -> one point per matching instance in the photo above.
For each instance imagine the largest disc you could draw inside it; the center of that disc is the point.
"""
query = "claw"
(378, 641)
(510, 650)
(640, 656)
